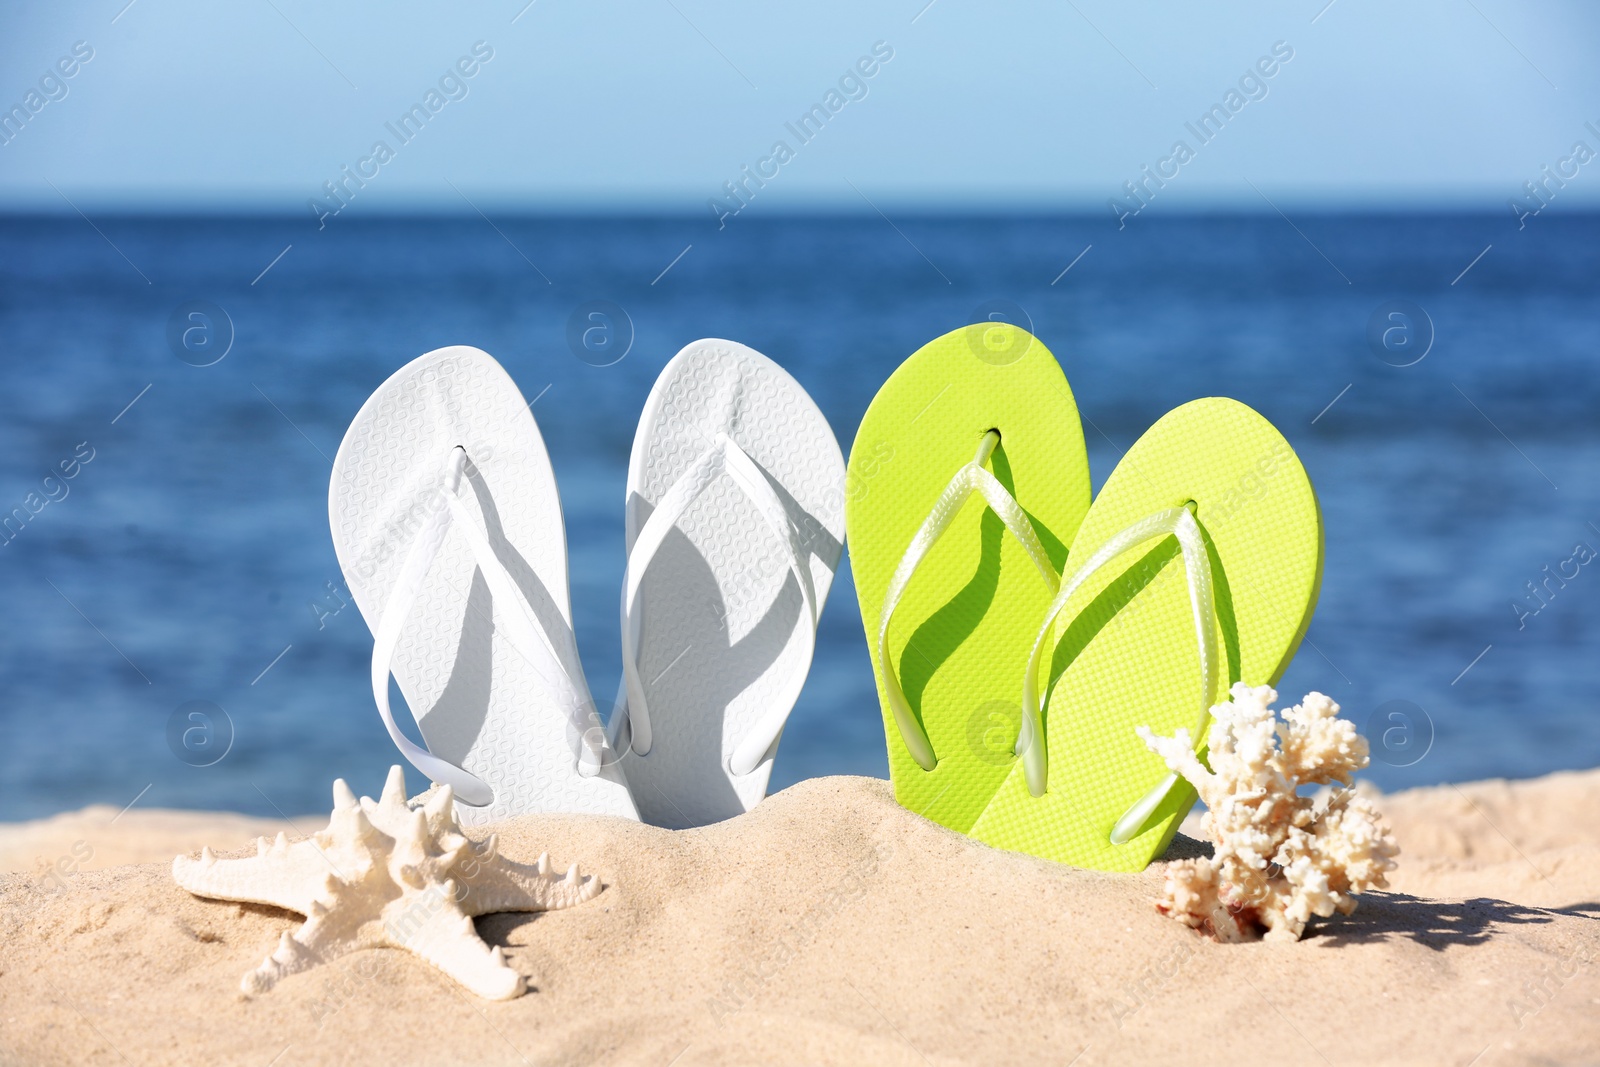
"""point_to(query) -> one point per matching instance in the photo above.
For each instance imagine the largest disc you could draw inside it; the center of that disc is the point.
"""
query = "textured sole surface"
(478, 702)
(1125, 649)
(961, 635)
(722, 616)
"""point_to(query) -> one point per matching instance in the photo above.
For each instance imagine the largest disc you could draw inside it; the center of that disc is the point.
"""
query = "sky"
(660, 105)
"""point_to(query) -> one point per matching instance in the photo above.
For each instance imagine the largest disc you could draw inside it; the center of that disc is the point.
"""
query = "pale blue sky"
(653, 104)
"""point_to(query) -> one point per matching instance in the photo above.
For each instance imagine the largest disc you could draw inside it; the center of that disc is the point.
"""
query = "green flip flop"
(1198, 566)
(951, 590)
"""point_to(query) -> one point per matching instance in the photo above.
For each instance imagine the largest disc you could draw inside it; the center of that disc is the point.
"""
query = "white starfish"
(391, 874)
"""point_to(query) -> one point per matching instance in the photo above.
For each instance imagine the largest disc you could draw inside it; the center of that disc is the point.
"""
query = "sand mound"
(832, 926)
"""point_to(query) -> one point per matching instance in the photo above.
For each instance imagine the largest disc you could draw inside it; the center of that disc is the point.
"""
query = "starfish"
(390, 874)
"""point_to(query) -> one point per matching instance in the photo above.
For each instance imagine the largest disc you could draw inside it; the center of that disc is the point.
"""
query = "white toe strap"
(723, 457)
(514, 619)
(1176, 522)
(972, 478)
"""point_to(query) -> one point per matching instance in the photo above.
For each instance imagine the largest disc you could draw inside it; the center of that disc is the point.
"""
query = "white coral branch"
(1279, 858)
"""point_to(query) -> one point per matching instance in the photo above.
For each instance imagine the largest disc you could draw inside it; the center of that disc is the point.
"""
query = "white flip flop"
(735, 525)
(448, 528)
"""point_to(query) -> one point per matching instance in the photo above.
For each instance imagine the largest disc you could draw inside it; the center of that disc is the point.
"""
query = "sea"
(1435, 373)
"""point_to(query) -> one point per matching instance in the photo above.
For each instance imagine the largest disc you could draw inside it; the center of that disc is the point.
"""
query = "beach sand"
(829, 926)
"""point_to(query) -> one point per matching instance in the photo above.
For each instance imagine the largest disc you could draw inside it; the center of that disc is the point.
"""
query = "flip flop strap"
(972, 478)
(516, 622)
(723, 457)
(1176, 522)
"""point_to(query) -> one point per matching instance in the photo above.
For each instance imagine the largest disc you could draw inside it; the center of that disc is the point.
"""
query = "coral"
(1279, 858)
(390, 874)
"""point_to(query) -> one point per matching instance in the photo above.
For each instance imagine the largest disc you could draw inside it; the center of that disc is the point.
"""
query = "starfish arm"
(327, 933)
(295, 953)
(493, 883)
(432, 926)
(280, 874)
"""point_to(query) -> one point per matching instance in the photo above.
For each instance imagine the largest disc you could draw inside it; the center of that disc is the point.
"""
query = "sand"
(830, 926)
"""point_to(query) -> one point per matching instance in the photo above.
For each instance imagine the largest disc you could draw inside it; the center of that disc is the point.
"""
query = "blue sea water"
(189, 559)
